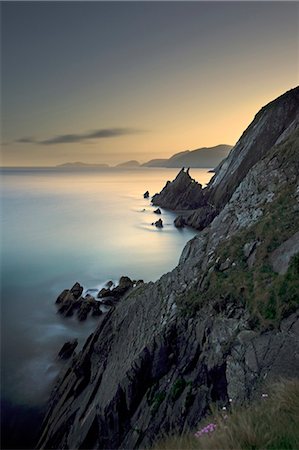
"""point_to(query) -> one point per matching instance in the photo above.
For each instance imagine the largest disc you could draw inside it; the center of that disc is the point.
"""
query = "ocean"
(58, 227)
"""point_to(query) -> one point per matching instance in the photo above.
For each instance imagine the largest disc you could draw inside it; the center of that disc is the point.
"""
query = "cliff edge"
(215, 328)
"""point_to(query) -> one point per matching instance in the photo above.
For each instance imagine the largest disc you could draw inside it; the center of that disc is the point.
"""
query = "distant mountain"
(207, 157)
(80, 165)
(128, 164)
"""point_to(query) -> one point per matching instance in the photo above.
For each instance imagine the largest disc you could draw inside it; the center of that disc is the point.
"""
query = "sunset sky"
(105, 82)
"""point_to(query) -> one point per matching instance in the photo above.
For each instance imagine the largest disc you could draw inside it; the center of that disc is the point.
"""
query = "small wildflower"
(224, 408)
(264, 395)
(230, 400)
(206, 430)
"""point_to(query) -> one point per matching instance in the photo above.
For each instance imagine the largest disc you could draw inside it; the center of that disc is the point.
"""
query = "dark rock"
(77, 290)
(104, 293)
(139, 282)
(84, 310)
(109, 284)
(159, 223)
(182, 193)
(68, 349)
(96, 311)
(179, 222)
(125, 283)
(61, 297)
(157, 211)
(146, 194)
(109, 301)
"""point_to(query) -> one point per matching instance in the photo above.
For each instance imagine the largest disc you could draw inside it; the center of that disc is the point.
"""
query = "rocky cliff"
(273, 124)
(215, 328)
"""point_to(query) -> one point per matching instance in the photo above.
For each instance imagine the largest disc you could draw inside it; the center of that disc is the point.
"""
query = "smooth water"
(59, 227)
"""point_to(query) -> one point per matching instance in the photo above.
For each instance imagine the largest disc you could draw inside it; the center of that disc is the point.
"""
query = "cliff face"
(273, 124)
(214, 328)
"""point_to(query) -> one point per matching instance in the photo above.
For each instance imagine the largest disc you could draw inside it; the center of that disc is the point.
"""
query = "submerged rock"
(146, 194)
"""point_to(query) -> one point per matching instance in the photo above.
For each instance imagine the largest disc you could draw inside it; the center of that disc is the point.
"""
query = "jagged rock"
(157, 211)
(179, 222)
(77, 290)
(182, 193)
(158, 223)
(68, 349)
(146, 194)
(104, 292)
(109, 284)
(84, 310)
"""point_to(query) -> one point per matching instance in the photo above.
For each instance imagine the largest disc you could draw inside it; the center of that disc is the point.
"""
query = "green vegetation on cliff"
(270, 423)
(249, 279)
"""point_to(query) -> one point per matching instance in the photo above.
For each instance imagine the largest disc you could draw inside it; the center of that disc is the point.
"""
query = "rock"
(96, 311)
(139, 283)
(109, 301)
(248, 248)
(109, 284)
(125, 283)
(104, 292)
(182, 193)
(84, 310)
(159, 223)
(225, 265)
(68, 349)
(77, 290)
(146, 194)
(61, 297)
(179, 222)
(281, 257)
(157, 211)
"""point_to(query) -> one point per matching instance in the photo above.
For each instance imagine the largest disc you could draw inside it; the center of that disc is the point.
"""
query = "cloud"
(26, 140)
(80, 137)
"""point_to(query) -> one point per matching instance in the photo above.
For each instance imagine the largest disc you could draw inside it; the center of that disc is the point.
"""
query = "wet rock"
(179, 222)
(109, 284)
(104, 292)
(146, 194)
(67, 349)
(157, 211)
(84, 310)
(159, 223)
(77, 290)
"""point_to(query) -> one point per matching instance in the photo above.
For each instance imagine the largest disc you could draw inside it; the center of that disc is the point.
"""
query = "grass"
(269, 423)
(268, 296)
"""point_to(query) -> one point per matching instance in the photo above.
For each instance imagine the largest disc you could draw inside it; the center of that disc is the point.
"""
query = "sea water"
(63, 226)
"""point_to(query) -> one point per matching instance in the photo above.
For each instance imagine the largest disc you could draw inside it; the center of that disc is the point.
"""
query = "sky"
(107, 82)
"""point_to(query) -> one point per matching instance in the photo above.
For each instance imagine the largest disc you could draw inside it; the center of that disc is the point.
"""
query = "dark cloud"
(81, 137)
(26, 140)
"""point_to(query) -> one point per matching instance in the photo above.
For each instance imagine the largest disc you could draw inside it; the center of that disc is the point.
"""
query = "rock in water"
(182, 193)
(179, 222)
(68, 349)
(77, 290)
(159, 223)
(146, 194)
(157, 211)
